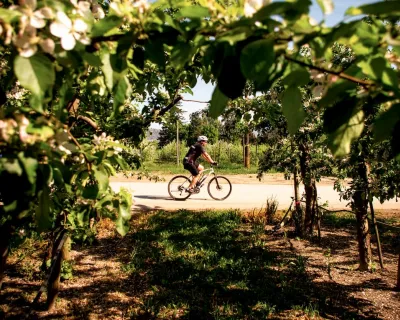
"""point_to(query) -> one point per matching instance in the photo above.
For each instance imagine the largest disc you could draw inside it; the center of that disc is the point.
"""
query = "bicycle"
(219, 187)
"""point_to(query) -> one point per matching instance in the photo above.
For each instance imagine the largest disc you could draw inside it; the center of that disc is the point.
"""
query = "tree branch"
(89, 121)
(197, 101)
(170, 106)
(342, 75)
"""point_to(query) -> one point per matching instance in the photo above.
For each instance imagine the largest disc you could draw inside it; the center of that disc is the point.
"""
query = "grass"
(173, 168)
(210, 265)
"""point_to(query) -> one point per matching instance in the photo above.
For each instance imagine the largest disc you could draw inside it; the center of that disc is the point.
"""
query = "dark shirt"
(194, 152)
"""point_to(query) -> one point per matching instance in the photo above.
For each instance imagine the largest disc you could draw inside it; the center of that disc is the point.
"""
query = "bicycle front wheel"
(177, 187)
(219, 188)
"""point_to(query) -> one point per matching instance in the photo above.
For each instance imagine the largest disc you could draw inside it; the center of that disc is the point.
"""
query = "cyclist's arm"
(207, 157)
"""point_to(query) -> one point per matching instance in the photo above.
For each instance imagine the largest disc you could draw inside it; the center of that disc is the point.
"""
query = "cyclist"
(190, 161)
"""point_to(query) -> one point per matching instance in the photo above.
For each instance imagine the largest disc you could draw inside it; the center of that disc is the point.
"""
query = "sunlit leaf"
(35, 73)
(8, 15)
(194, 12)
(343, 123)
(299, 77)
(326, 6)
(104, 26)
(256, 60)
(378, 8)
(292, 108)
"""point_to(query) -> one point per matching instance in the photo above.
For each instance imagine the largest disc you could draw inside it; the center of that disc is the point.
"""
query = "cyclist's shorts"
(192, 167)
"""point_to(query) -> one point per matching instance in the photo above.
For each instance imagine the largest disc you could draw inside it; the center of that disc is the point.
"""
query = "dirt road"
(248, 193)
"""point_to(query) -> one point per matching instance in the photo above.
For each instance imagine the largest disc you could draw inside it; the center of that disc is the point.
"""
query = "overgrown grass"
(173, 168)
(210, 265)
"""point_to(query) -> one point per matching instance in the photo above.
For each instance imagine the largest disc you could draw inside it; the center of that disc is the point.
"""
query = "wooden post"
(378, 240)
(177, 143)
(247, 151)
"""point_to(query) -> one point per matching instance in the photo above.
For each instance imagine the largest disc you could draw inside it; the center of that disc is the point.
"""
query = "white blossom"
(31, 17)
(97, 10)
(47, 45)
(82, 8)
(252, 6)
(26, 42)
(141, 5)
(64, 149)
(69, 31)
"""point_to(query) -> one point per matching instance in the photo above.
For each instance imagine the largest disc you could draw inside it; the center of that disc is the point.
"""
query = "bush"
(223, 152)
(272, 207)
(168, 152)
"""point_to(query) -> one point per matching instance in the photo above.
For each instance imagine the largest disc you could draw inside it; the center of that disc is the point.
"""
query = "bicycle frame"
(204, 175)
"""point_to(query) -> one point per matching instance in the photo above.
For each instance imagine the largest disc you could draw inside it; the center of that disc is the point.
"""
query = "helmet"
(202, 138)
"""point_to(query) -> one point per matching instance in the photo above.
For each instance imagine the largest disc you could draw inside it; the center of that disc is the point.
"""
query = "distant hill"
(153, 134)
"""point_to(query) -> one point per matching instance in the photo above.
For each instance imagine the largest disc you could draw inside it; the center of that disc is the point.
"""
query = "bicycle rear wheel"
(219, 188)
(177, 187)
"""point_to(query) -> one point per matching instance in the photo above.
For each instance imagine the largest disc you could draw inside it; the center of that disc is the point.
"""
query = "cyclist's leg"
(192, 168)
(200, 169)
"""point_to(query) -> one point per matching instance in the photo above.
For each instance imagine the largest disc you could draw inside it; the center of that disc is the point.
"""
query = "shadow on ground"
(207, 265)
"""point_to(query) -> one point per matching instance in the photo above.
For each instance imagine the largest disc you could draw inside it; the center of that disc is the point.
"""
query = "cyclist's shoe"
(189, 190)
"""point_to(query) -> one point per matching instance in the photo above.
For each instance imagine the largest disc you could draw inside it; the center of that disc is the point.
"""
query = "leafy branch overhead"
(103, 59)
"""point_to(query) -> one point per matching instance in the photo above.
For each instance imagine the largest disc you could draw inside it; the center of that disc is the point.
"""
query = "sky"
(203, 91)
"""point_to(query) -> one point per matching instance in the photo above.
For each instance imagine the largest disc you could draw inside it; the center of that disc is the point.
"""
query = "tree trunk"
(247, 151)
(398, 275)
(4, 250)
(309, 183)
(360, 198)
(298, 214)
(60, 250)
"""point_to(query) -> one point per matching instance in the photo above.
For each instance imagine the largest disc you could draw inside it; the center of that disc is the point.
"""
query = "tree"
(201, 124)
(169, 127)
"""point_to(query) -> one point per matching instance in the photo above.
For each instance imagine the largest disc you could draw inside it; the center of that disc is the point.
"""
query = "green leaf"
(395, 140)
(181, 54)
(154, 51)
(122, 163)
(385, 123)
(105, 25)
(35, 73)
(274, 8)
(326, 6)
(235, 35)
(107, 71)
(8, 15)
(379, 70)
(12, 166)
(288, 10)
(194, 12)
(90, 191)
(343, 123)
(336, 91)
(256, 60)
(292, 108)
(299, 77)
(30, 165)
(124, 212)
(230, 80)
(42, 216)
(389, 8)
(121, 91)
(102, 178)
(92, 59)
(218, 103)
